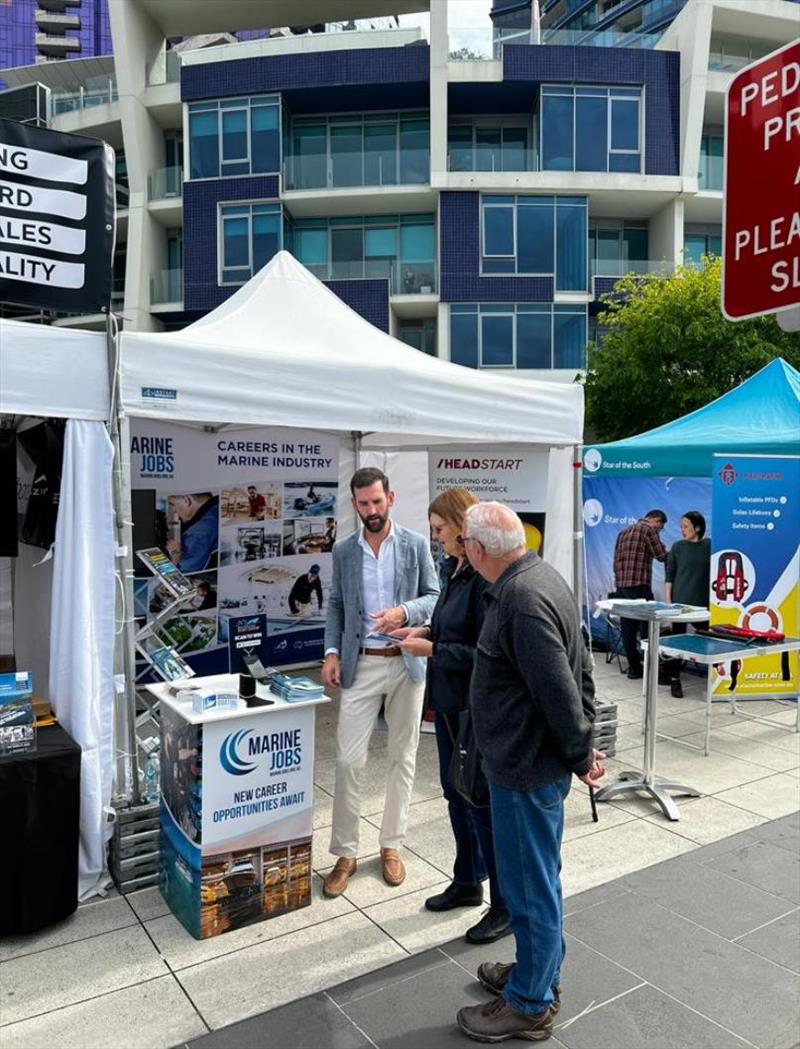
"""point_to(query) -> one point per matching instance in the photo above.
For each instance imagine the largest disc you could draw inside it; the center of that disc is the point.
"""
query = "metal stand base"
(655, 787)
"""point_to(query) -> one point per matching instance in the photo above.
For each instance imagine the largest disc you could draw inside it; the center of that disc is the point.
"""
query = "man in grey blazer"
(383, 578)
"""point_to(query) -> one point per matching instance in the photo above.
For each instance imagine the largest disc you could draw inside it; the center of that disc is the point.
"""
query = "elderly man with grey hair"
(532, 700)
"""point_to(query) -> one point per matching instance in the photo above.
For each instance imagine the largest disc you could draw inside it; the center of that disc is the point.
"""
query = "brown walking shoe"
(336, 882)
(394, 871)
(496, 1021)
(493, 977)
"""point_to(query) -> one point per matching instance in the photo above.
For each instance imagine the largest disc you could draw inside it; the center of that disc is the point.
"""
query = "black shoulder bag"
(466, 773)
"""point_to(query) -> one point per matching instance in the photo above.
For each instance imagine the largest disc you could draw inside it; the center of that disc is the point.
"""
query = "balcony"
(96, 91)
(616, 268)
(166, 287)
(351, 170)
(405, 278)
(166, 69)
(493, 159)
(165, 184)
(486, 45)
(52, 45)
(117, 292)
(58, 5)
(56, 22)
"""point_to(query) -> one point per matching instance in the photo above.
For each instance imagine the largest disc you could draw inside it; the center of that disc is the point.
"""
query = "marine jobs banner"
(250, 516)
(755, 565)
(611, 504)
(56, 219)
(516, 478)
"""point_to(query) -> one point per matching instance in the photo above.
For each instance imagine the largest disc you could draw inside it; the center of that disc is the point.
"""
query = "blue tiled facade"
(658, 72)
(312, 71)
(460, 278)
(370, 298)
(201, 290)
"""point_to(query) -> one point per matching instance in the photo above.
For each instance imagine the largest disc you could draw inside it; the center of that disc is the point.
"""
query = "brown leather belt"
(389, 651)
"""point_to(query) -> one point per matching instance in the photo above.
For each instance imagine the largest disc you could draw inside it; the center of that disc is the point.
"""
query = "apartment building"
(466, 190)
(48, 30)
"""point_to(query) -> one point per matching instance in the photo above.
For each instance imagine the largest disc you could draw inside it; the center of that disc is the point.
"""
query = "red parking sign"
(761, 202)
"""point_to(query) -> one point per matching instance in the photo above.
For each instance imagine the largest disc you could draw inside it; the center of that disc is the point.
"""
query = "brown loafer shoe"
(394, 871)
(336, 882)
(495, 1021)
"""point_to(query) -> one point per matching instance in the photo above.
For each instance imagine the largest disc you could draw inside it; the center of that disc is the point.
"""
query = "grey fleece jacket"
(532, 693)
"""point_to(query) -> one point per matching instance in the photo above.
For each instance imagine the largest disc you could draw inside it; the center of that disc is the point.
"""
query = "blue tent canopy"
(760, 417)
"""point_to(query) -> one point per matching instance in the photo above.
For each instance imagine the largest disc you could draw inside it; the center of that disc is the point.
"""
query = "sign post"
(761, 199)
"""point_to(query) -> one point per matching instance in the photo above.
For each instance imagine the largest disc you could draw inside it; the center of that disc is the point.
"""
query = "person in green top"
(687, 574)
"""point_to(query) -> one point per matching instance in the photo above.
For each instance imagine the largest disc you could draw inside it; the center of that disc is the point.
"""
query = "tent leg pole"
(126, 773)
(577, 527)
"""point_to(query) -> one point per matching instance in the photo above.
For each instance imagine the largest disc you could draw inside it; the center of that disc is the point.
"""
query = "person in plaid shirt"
(635, 549)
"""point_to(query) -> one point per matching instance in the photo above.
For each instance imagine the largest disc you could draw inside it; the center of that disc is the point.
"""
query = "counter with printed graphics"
(236, 808)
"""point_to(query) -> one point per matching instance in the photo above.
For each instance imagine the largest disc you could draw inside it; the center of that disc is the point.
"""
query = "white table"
(653, 613)
(710, 650)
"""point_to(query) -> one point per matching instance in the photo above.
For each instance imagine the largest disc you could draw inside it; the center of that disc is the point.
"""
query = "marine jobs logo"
(155, 456)
(727, 474)
(229, 754)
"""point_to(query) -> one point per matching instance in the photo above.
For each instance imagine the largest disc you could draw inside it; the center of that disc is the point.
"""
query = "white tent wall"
(51, 372)
(82, 636)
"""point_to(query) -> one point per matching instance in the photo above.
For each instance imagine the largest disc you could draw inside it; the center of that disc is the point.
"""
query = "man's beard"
(374, 522)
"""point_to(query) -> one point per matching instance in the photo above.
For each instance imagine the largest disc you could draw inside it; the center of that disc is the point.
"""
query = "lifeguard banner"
(755, 565)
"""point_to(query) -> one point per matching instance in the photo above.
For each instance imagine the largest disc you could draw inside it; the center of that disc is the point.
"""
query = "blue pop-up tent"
(669, 468)
(760, 417)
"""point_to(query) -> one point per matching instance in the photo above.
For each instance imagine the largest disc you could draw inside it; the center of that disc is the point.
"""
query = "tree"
(668, 350)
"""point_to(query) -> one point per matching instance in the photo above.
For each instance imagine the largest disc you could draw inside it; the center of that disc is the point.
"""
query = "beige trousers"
(377, 677)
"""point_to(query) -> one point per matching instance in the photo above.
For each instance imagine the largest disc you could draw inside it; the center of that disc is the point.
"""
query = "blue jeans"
(472, 827)
(527, 842)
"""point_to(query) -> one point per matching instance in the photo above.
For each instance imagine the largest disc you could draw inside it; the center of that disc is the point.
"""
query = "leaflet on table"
(659, 609)
(17, 720)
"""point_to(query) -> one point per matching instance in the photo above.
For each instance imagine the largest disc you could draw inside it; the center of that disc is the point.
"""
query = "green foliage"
(669, 351)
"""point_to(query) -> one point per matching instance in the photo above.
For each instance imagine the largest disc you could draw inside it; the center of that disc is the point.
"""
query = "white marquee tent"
(282, 351)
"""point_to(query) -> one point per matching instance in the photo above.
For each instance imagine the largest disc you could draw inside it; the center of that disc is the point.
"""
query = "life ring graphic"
(761, 610)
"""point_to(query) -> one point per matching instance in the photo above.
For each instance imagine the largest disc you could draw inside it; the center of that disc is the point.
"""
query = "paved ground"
(701, 951)
(123, 972)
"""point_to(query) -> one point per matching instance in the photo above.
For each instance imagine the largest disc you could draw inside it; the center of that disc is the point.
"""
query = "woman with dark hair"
(687, 577)
(449, 644)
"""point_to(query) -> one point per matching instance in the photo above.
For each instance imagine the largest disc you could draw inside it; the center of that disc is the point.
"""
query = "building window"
(617, 247)
(421, 334)
(236, 136)
(249, 235)
(591, 129)
(535, 236)
(712, 153)
(518, 335)
(699, 241)
(489, 148)
(400, 248)
(372, 149)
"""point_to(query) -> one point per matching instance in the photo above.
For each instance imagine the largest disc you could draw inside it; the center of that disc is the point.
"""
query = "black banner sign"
(56, 219)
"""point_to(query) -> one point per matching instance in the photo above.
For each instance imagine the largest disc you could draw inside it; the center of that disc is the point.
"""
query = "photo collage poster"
(250, 516)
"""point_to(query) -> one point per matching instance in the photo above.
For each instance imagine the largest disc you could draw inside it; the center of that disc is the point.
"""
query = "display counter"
(40, 790)
(236, 808)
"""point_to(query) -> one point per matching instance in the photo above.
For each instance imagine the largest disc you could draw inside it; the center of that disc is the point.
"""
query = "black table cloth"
(40, 806)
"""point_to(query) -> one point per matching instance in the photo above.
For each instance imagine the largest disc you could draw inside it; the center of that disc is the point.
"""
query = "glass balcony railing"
(165, 69)
(721, 62)
(711, 173)
(605, 38)
(486, 45)
(165, 184)
(407, 167)
(494, 160)
(621, 267)
(98, 91)
(405, 278)
(166, 286)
